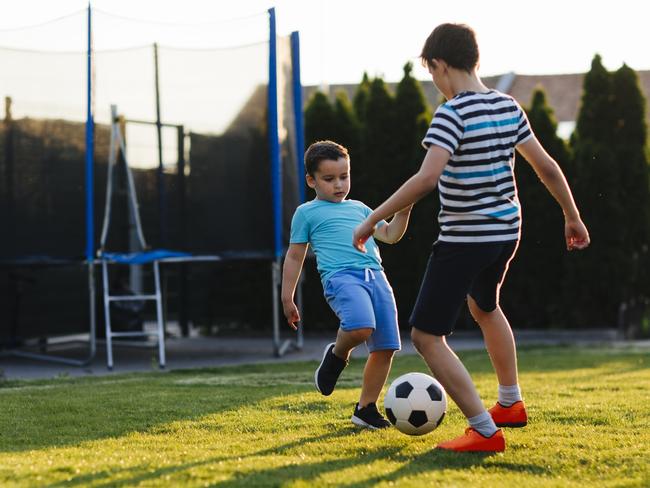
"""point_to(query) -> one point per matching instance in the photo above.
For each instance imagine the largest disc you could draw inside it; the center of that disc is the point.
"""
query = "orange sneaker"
(512, 416)
(473, 441)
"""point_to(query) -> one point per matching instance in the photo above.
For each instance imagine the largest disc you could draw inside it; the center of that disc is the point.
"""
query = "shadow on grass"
(437, 460)
(307, 472)
(68, 412)
(143, 473)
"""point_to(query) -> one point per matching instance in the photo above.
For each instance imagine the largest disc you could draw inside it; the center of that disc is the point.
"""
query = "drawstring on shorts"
(369, 273)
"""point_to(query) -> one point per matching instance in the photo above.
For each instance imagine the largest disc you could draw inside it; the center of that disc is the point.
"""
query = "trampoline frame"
(280, 345)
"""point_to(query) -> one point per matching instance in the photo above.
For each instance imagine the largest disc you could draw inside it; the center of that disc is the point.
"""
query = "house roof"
(563, 92)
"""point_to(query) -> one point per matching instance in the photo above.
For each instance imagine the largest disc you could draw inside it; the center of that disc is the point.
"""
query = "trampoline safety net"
(193, 101)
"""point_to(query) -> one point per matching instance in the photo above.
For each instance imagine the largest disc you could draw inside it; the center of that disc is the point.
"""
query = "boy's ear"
(311, 183)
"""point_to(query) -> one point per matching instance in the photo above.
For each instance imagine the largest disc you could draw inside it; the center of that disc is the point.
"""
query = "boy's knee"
(361, 335)
(421, 340)
(384, 354)
(477, 312)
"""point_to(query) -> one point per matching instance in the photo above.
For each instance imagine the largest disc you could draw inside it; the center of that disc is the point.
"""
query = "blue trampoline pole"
(89, 253)
(276, 182)
(90, 195)
(90, 149)
(162, 206)
(298, 113)
(274, 139)
(300, 148)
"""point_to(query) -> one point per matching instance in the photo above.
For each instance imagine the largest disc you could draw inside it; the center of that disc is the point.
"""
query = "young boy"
(470, 156)
(354, 284)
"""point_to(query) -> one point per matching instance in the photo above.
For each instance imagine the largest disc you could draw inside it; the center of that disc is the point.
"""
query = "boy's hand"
(361, 234)
(576, 235)
(291, 313)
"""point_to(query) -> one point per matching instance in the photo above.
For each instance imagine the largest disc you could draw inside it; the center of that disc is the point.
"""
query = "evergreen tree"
(347, 130)
(537, 267)
(360, 99)
(595, 117)
(595, 277)
(359, 105)
(320, 119)
(379, 153)
(411, 112)
(630, 135)
(406, 261)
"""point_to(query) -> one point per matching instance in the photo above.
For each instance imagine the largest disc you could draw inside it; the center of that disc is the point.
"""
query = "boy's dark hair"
(453, 43)
(320, 151)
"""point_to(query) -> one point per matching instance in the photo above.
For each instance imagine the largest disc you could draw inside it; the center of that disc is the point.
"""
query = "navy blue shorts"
(454, 271)
(364, 299)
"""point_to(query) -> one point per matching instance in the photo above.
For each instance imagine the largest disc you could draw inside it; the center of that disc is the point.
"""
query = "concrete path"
(200, 352)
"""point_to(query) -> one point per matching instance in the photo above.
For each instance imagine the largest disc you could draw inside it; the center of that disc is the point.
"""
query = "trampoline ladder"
(157, 297)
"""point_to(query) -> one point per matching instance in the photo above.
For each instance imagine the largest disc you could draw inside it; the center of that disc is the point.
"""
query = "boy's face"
(332, 180)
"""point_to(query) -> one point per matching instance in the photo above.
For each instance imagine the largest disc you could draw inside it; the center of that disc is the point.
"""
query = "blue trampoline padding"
(143, 257)
(40, 260)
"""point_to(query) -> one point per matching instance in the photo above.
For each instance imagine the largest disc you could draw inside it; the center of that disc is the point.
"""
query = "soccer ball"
(415, 403)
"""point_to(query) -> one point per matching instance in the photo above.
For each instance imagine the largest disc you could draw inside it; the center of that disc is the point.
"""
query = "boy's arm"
(547, 169)
(393, 231)
(290, 273)
(416, 187)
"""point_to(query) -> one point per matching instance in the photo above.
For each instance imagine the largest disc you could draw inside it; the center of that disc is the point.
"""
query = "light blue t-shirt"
(328, 228)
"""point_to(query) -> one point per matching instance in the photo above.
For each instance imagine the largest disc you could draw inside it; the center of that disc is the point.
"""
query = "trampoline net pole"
(275, 283)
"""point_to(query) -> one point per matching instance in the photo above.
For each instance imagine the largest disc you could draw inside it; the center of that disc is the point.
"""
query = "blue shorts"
(364, 299)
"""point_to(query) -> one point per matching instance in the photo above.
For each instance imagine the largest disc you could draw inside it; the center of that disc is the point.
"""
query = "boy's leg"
(450, 371)
(374, 376)
(348, 295)
(335, 358)
(383, 342)
(348, 340)
(375, 373)
(483, 303)
(499, 341)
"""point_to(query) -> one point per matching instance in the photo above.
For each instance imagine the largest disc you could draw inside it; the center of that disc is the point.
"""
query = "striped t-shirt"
(478, 193)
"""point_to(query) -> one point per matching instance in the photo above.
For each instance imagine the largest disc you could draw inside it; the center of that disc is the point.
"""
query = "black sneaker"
(370, 417)
(329, 370)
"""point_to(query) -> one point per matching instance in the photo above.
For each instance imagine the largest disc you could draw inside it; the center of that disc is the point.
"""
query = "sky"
(342, 39)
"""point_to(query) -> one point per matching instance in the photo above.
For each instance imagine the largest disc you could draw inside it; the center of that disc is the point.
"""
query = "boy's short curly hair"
(453, 43)
(320, 151)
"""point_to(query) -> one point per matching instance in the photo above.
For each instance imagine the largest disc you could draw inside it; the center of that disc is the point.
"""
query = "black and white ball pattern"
(415, 403)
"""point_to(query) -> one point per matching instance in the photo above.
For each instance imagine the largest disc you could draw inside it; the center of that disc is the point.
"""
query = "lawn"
(267, 426)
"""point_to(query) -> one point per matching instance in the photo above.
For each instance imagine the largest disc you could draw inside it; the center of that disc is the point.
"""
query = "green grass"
(266, 426)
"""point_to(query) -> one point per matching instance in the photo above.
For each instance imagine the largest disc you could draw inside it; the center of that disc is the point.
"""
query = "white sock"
(509, 395)
(483, 424)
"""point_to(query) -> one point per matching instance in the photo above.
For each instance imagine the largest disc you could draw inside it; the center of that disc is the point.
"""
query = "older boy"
(470, 156)
(355, 285)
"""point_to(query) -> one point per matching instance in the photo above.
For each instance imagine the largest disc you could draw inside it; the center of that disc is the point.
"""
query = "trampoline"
(263, 134)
